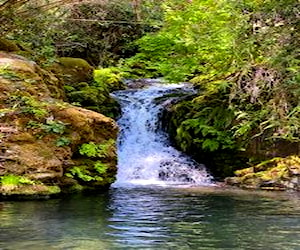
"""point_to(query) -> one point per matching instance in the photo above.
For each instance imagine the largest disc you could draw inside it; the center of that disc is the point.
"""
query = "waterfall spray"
(144, 152)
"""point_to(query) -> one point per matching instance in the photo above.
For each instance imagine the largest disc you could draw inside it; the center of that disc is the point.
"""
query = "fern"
(210, 145)
(81, 173)
(96, 150)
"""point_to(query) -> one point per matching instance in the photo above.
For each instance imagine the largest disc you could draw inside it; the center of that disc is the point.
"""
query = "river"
(153, 217)
(162, 199)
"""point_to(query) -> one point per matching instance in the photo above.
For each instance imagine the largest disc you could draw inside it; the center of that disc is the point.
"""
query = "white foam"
(144, 154)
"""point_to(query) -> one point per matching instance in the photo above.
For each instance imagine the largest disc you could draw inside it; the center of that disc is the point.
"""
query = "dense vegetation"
(99, 31)
(242, 56)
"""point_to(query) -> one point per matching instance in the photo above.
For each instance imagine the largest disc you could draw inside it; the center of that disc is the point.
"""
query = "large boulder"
(48, 146)
(73, 70)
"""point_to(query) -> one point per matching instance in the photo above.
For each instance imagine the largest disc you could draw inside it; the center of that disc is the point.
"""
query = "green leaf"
(210, 145)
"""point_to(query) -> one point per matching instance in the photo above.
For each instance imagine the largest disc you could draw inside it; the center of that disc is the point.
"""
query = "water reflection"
(154, 218)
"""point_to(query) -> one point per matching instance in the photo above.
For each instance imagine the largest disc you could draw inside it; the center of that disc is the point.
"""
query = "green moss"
(93, 98)
(277, 173)
(54, 189)
(78, 63)
(88, 96)
(8, 45)
(72, 71)
(14, 180)
(109, 79)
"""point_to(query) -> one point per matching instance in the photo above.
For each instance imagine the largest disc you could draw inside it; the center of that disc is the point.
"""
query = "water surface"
(152, 217)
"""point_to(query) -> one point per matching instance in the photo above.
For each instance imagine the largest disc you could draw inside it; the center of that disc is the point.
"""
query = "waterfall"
(144, 152)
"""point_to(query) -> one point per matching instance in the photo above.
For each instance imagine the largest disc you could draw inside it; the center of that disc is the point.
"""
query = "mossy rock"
(274, 174)
(24, 190)
(40, 134)
(70, 62)
(8, 45)
(77, 77)
(72, 70)
(87, 96)
(93, 98)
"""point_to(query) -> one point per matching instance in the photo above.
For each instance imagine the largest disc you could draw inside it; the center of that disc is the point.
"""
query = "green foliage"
(29, 105)
(196, 37)
(89, 149)
(114, 24)
(88, 174)
(33, 124)
(34, 28)
(81, 173)
(50, 126)
(96, 150)
(62, 141)
(53, 126)
(243, 56)
(45, 28)
(100, 167)
(15, 180)
(211, 138)
(108, 79)
(93, 169)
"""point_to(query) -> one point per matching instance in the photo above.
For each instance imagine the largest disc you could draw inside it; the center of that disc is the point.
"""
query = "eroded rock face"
(275, 174)
(48, 146)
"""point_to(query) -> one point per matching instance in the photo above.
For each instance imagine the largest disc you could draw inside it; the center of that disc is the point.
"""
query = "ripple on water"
(153, 217)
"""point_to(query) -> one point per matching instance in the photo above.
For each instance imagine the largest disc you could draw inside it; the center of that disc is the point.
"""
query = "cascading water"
(144, 153)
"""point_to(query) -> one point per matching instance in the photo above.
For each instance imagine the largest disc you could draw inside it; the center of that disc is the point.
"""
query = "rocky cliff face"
(48, 146)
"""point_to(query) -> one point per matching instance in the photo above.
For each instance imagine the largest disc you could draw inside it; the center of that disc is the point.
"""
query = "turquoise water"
(152, 217)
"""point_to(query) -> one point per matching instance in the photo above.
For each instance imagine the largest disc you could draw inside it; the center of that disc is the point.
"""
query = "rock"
(27, 76)
(89, 125)
(77, 79)
(244, 171)
(8, 46)
(72, 71)
(275, 174)
(42, 137)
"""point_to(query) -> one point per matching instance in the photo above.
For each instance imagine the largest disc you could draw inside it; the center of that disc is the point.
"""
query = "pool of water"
(152, 217)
